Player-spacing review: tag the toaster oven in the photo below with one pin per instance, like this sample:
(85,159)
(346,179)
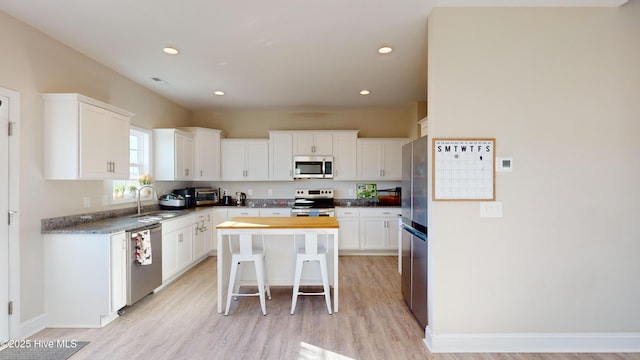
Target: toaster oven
(206,196)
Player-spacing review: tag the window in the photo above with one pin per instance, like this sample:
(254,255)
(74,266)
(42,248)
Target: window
(139,165)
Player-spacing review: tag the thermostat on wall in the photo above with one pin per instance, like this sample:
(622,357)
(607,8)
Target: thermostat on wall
(504,164)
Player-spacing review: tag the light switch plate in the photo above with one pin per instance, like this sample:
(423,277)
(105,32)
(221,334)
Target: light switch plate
(491,209)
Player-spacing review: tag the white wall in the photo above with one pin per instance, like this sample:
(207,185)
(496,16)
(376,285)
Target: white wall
(558,89)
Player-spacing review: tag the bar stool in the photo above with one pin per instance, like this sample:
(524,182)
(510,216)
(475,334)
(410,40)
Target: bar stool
(245,249)
(310,250)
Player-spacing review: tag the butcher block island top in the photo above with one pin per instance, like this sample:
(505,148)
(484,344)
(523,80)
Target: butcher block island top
(279,235)
(300,222)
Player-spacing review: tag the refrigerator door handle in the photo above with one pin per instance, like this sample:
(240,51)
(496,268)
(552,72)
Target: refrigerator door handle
(414,232)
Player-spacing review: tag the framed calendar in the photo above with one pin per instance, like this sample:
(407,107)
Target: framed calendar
(463,169)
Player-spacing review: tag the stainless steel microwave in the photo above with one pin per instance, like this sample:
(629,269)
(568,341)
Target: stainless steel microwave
(313,167)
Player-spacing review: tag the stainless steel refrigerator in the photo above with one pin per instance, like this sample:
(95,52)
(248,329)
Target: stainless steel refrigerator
(414,228)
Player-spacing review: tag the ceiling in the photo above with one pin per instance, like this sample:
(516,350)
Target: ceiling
(275,54)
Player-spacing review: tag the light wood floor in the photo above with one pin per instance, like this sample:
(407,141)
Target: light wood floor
(180,322)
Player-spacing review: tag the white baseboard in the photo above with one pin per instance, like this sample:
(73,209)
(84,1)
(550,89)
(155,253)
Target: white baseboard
(533,342)
(32,326)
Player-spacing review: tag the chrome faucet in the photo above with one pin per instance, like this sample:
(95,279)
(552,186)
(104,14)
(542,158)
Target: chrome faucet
(155,195)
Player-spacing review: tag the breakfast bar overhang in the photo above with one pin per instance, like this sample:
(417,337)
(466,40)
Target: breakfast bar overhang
(279,233)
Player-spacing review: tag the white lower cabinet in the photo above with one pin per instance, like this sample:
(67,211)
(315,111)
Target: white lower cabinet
(118,270)
(349,221)
(202,233)
(85,279)
(379,229)
(368,231)
(177,246)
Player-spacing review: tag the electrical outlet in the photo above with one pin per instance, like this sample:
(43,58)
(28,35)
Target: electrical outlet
(270,192)
(249,192)
(87,202)
(350,192)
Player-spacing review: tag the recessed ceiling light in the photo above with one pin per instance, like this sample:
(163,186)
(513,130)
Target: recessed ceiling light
(170,50)
(218,92)
(365,92)
(385,50)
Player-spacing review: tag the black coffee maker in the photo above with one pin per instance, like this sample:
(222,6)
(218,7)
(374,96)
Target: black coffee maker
(189,196)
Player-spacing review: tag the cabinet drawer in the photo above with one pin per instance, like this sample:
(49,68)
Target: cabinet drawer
(275,212)
(384,212)
(243,212)
(347,212)
(176,224)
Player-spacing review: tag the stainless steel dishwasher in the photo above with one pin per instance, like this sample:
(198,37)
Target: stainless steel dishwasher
(143,279)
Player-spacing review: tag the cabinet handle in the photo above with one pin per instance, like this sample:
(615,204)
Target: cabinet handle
(200,172)
(180,238)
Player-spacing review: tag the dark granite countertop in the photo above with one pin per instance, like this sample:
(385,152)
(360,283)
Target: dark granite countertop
(113,221)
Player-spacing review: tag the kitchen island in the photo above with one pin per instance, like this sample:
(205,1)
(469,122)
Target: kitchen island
(279,233)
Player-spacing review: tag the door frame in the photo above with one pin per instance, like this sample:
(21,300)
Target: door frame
(14,205)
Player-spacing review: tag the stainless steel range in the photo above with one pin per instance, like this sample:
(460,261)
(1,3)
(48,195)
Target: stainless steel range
(313,202)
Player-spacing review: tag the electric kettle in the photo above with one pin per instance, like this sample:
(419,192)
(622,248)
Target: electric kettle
(240,198)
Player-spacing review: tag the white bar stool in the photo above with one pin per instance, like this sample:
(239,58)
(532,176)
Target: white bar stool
(310,250)
(245,249)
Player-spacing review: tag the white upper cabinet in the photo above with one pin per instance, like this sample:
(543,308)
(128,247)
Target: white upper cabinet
(344,155)
(380,159)
(172,154)
(424,127)
(206,153)
(313,143)
(84,139)
(281,155)
(245,159)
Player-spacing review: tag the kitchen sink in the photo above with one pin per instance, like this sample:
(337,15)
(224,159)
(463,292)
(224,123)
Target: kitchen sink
(154,216)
